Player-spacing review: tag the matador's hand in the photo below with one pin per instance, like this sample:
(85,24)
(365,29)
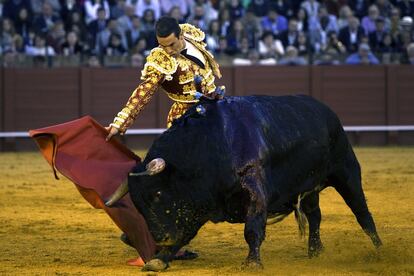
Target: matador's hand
(112,131)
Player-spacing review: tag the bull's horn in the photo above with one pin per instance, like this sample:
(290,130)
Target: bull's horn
(119,193)
(157,165)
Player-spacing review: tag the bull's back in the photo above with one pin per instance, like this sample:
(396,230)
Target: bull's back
(292,136)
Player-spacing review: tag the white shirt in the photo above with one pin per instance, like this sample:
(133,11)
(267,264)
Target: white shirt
(193,51)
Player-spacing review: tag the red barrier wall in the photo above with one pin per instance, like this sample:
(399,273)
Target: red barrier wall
(360,95)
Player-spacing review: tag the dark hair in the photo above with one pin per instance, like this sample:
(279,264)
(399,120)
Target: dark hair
(167,25)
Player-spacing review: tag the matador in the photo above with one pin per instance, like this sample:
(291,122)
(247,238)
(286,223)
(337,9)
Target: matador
(174,65)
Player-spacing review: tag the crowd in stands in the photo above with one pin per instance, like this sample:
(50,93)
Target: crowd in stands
(290,32)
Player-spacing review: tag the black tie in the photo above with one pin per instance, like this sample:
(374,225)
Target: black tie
(192,58)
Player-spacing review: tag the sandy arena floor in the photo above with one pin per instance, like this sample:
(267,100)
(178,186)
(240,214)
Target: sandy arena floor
(48,229)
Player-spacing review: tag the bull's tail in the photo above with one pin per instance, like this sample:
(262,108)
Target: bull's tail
(300,217)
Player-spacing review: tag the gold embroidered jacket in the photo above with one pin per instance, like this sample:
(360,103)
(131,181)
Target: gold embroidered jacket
(175,75)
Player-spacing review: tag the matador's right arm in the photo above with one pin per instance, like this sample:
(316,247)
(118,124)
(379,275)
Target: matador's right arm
(158,67)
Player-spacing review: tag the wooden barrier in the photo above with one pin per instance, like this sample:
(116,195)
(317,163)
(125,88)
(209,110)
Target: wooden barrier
(360,95)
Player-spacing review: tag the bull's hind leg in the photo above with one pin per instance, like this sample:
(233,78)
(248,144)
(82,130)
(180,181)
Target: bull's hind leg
(310,206)
(254,229)
(347,181)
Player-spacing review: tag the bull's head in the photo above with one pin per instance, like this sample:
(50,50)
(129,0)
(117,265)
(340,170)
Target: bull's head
(169,210)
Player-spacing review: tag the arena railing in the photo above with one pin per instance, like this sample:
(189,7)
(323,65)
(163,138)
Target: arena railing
(155,131)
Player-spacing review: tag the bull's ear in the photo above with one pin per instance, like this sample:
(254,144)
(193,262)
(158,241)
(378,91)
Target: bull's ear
(156,165)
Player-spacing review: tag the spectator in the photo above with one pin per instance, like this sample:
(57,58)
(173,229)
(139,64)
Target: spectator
(199,17)
(409,55)
(384,7)
(334,45)
(360,7)
(224,19)
(387,45)
(40,48)
(176,13)
(244,47)
(368,22)
(143,5)
(323,21)
(78,25)
(234,36)
(137,61)
(344,13)
(351,35)
(327,58)
(9,58)
(303,45)
(259,7)
(118,9)
(69,7)
(148,26)
(103,37)
(406,7)
(57,36)
(223,51)
(7,33)
(93,61)
(311,7)
(363,56)
(135,32)
(96,26)
(283,7)
(71,46)
(11,8)
(37,6)
(395,23)
(213,36)
(18,44)
(290,36)
(45,21)
(253,58)
(209,11)
(253,28)
(182,5)
(115,47)
(125,20)
(274,22)
(376,37)
(269,47)
(291,57)
(141,47)
(23,23)
(92,9)
(303,21)
(236,9)
(318,31)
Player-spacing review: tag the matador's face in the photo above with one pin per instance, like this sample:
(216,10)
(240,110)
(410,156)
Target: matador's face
(172,44)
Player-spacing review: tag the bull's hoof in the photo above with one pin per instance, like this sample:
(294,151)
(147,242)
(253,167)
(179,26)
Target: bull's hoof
(155,265)
(252,265)
(315,250)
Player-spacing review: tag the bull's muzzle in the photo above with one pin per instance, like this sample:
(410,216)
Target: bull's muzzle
(155,166)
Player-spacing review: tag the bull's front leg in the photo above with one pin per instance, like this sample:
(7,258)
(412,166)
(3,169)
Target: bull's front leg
(161,260)
(255,226)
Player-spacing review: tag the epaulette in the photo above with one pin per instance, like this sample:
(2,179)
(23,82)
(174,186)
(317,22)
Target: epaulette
(191,32)
(159,60)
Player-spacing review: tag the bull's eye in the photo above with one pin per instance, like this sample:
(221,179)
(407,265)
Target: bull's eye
(157,196)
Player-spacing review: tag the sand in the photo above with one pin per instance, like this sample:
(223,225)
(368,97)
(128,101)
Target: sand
(48,229)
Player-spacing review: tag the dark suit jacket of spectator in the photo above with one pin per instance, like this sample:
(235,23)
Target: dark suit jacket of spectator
(375,41)
(345,38)
(11,9)
(40,23)
(284,38)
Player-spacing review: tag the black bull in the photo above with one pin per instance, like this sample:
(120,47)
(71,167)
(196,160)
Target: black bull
(247,160)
